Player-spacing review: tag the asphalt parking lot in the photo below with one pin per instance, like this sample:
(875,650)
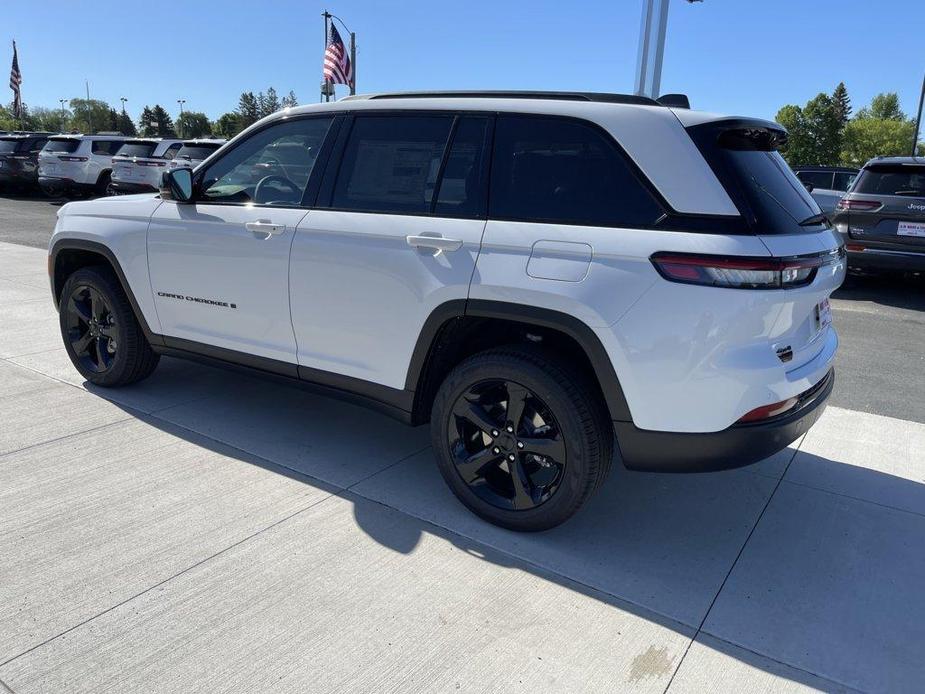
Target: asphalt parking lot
(206,530)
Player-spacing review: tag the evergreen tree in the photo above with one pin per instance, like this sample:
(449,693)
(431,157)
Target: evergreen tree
(146,123)
(226,126)
(289,100)
(164,122)
(271,103)
(842,103)
(126,126)
(248,111)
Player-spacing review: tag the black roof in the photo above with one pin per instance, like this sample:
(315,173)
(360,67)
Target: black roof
(916,161)
(811,167)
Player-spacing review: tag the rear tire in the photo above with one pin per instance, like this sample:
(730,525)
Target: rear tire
(103,183)
(101,334)
(520,439)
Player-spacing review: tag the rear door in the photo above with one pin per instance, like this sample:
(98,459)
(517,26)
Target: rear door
(899,220)
(219,266)
(396,233)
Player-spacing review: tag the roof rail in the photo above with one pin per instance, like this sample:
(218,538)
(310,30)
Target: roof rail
(563,96)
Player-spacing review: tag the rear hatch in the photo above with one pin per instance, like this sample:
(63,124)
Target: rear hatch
(58,158)
(777,208)
(192,153)
(9,146)
(886,207)
(133,163)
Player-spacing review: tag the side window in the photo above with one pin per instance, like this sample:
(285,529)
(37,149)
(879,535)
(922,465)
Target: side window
(271,167)
(563,171)
(818,179)
(171,151)
(460,191)
(391,163)
(843,180)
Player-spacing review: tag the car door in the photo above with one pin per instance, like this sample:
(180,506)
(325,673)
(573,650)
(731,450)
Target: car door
(395,234)
(219,266)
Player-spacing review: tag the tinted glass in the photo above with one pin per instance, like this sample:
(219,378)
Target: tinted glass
(271,167)
(891,180)
(196,152)
(460,191)
(818,179)
(171,151)
(557,170)
(105,146)
(390,164)
(7,146)
(843,180)
(136,149)
(758,179)
(61,146)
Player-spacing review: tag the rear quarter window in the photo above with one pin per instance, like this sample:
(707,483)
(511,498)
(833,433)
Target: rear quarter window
(136,149)
(61,146)
(564,171)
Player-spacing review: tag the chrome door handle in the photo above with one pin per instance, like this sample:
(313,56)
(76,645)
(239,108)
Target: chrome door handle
(265,228)
(436,242)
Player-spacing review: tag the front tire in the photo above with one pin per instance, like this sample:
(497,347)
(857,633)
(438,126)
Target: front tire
(522,441)
(101,334)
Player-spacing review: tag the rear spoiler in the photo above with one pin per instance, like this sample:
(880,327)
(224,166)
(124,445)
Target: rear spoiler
(674,100)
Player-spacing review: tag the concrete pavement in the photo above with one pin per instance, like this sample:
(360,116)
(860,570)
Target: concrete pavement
(207,531)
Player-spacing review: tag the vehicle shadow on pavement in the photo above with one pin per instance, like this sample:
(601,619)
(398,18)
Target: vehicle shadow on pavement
(906,292)
(809,573)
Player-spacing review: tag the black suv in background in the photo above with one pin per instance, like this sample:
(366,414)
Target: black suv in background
(882,217)
(19,159)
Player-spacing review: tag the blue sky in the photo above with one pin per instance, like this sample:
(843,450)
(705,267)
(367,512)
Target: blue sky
(735,56)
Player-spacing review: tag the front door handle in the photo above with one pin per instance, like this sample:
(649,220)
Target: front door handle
(436,242)
(266,228)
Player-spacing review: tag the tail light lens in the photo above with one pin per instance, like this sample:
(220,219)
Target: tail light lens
(858,205)
(73,158)
(768,411)
(739,272)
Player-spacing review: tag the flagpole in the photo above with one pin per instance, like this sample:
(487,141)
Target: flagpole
(325,91)
(353,63)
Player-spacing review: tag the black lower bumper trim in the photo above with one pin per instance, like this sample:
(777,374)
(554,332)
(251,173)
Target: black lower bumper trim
(879,259)
(737,446)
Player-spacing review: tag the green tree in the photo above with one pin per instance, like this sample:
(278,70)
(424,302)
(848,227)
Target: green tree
(866,138)
(289,100)
(226,126)
(883,107)
(271,104)
(125,125)
(146,123)
(248,110)
(193,124)
(825,126)
(89,115)
(842,103)
(164,122)
(799,148)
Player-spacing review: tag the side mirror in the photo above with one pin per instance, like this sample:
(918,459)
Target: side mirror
(809,186)
(177,184)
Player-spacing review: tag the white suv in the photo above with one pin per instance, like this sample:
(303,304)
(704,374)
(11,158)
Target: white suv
(140,163)
(194,152)
(538,275)
(77,163)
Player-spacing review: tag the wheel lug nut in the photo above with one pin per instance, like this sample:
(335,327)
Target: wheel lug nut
(520,444)
(495,432)
(510,430)
(495,450)
(511,457)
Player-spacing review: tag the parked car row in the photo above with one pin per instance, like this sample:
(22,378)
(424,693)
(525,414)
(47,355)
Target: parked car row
(103,164)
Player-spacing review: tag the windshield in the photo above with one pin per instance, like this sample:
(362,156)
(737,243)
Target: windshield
(7,146)
(895,179)
(63,146)
(136,149)
(196,152)
(757,178)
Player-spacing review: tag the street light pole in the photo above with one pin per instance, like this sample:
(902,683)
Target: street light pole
(123,100)
(652,47)
(63,113)
(918,120)
(180,122)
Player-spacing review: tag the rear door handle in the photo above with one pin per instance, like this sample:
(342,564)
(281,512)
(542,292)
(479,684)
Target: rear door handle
(265,228)
(436,242)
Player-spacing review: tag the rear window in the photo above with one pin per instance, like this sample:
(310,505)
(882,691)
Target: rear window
(7,146)
(196,152)
(63,146)
(136,149)
(759,181)
(105,146)
(884,179)
(818,179)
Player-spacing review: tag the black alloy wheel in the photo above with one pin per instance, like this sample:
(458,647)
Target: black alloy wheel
(92,329)
(507,445)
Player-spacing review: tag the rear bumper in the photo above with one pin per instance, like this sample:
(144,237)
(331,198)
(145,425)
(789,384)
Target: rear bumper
(19,177)
(125,188)
(737,446)
(884,259)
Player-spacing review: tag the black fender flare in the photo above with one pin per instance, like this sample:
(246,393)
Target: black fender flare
(528,315)
(103,250)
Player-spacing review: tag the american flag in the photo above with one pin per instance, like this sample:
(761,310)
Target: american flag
(15,84)
(337,68)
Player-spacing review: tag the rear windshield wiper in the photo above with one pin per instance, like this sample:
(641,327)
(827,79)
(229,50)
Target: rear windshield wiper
(815,219)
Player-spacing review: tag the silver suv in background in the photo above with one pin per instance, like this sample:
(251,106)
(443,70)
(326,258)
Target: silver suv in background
(194,152)
(71,164)
(827,184)
(882,218)
(138,165)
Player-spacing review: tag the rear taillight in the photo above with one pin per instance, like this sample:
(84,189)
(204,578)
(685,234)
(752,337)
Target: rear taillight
(740,272)
(768,411)
(858,205)
(73,158)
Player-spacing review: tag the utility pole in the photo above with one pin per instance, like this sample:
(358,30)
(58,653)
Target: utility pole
(180,121)
(63,113)
(123,100)
(652,47)
(89,113)
(918,120)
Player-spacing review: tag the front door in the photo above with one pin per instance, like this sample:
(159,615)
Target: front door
(219,266)
(396,235)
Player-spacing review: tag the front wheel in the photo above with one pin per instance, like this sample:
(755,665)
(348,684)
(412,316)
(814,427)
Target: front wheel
(101,334)
(522,441)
